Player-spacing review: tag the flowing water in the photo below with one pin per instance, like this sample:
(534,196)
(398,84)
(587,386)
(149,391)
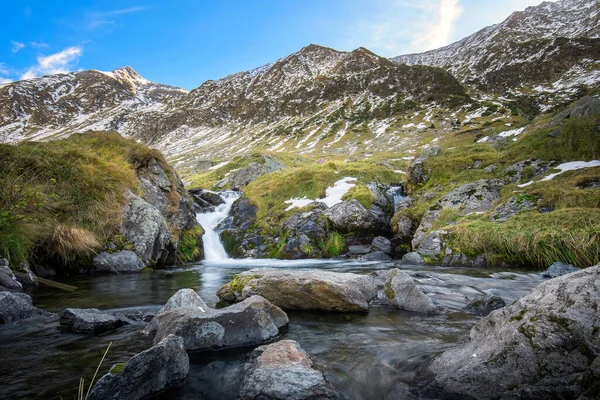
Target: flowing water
(365,356)
(213,249)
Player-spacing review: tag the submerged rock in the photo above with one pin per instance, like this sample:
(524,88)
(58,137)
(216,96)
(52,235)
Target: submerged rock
(303,289)
(15,307)
(485,305)
(164,365)
(559,269)
(401,291)
(118,262)
(184,298)
(89,320)
(544,345)
(252,321)
(282,370)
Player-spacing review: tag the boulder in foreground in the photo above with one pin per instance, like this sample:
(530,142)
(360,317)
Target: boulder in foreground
(282,370)
(89,320)
(544,345)
(303,289)
(164,365)
(184,298)
(252,321)
(401,291)
(15,307)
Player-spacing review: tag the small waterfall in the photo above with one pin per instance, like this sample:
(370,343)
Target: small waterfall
(213,248)
(397,195)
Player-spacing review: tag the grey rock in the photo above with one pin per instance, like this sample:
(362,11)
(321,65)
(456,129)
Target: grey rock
(413,258)
(559,269)
(491,168)
(526,170)
(351,216)
(222,183)
(89,320)
(432,245)
(8,280)
(305,289)
(253,321)
(382,244)
(246,175)
(377,256)
(27,278)
(401,291)
(471,197)
(147,229)
(380,194)
(404,228)
(405,203)
(15,307)
(305,230)
(485,305)
(118,262)
(359,249)
(542,346)
(162,366)
(282,370)
(184,298)
(585,107)
(514,206)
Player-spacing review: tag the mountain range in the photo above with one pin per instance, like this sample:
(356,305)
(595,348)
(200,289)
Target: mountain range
(320,100)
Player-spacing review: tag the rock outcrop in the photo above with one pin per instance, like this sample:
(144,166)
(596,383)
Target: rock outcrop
(282,371)
(253,321)
(164,365)
(303,289)
(351,216)
(89,320)
(417,174)
(15,307)
(8,280)
(401,291)
(184,298)
(118,262)
(544,345)
(250,173)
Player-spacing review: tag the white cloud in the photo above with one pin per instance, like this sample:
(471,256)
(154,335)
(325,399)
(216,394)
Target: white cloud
(16,46)
(96,19)
(38,45)
(57,63)
(4,81)
(439,31)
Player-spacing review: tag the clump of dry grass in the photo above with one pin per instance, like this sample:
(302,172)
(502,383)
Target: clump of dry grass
(70,242)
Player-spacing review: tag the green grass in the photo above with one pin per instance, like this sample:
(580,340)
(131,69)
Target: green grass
(570,235)
(269,192)
(334,245)
(188,248)
(63,198)
(362,194)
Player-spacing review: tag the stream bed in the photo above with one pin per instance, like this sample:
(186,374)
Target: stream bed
(363,355)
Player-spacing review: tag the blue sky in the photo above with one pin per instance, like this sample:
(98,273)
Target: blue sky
(185,42)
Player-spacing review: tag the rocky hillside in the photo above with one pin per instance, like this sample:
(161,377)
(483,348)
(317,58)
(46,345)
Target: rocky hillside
(552,47)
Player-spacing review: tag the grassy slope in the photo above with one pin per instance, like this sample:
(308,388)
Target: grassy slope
(568,234)
(66,196)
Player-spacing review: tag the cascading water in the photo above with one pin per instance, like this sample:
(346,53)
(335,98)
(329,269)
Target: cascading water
(213,248)
(397,194)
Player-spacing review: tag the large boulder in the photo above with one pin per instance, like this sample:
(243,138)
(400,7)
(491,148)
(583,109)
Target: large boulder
(184,298)
(401,291)
(240,237)
(351,216)
(8,280)
(254,169)
(147,229)
(527,169)
(15,307)
(303,289)
(585,107)
(282,371)
(89,320)
(544,345)
(305,231)
(164,365)
(253,321)
(118,262)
